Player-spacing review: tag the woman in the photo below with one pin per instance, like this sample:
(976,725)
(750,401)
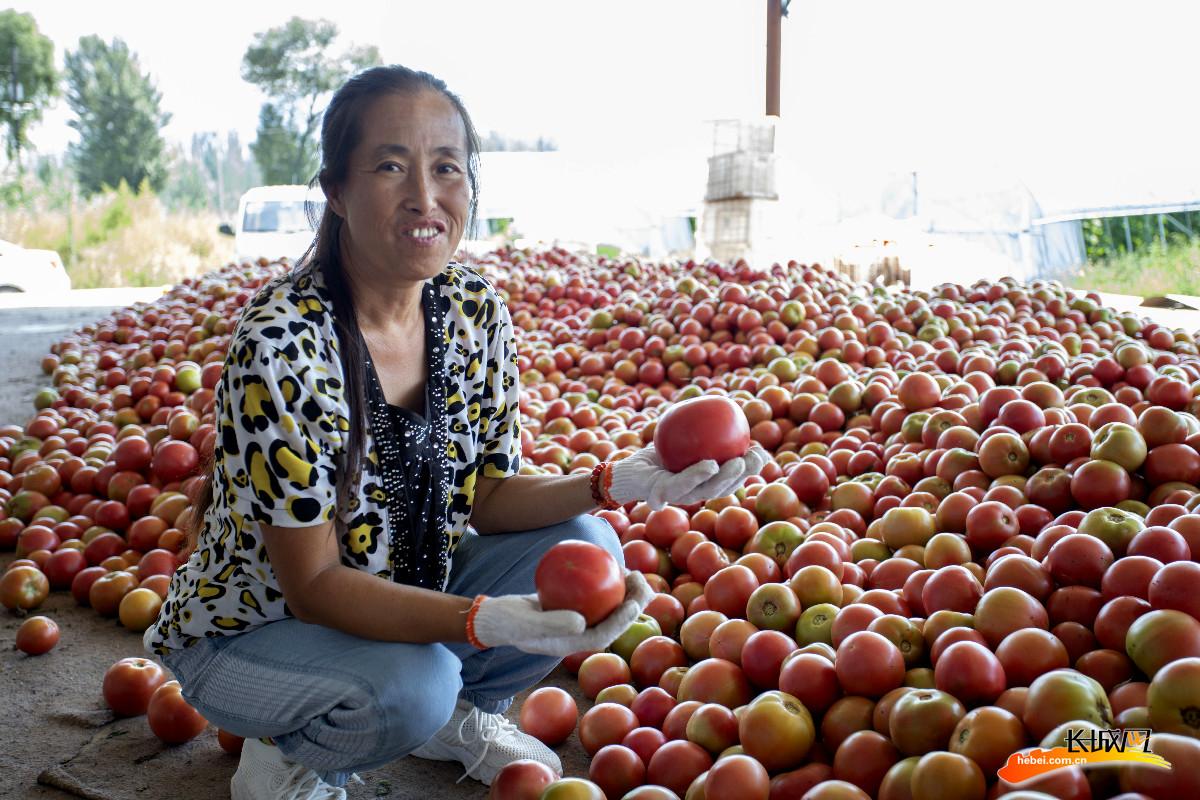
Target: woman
(336,610)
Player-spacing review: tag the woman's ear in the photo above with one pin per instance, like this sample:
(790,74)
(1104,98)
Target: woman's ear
(334,198)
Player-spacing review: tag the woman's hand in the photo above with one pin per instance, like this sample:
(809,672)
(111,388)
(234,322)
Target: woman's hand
(520,621)
(642,476)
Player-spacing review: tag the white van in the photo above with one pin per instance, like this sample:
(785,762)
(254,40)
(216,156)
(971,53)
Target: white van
(272,222)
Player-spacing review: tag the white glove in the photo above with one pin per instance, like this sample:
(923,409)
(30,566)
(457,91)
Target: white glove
(642,476)
(519,620)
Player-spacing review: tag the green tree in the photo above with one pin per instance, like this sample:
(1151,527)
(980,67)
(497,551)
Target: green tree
(293,66)
(28,79)
(119,118)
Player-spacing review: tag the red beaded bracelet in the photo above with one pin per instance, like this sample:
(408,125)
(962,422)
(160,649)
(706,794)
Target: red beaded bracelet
(471,612)
(601,481)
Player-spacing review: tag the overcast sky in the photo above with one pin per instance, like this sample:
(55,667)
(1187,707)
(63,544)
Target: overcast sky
(901,85)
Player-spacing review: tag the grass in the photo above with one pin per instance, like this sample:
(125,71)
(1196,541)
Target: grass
(1158,271)
(120,238)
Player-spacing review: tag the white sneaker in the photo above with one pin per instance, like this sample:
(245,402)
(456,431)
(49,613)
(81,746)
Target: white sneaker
(264,774)
(484,744)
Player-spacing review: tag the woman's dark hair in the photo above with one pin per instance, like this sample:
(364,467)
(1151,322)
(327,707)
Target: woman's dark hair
(341,132)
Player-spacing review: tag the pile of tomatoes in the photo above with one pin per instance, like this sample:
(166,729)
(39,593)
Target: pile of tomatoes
(978,533)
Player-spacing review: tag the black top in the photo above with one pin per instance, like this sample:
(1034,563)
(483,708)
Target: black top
(412,449)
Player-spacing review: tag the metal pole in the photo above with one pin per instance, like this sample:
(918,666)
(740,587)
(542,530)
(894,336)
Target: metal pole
(1128,237)
(774,26)
(1162,233)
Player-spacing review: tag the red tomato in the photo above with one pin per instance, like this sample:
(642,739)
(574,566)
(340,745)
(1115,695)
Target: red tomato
(738,777)
(129,684)
(617,770)
(23,587)
(37,635)
(229,742)
(171,718)
(580,576)
(549,714)
(701,428)
(521,780)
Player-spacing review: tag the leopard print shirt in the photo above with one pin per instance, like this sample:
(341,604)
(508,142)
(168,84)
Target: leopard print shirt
(282,426)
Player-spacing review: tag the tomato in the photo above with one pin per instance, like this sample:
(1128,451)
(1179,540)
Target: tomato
(1163,784)
(987,735)
(666,525)
(23,588)
(139,608)
(1062,696)
(651,706)
(229,742)
(1079,559)
(605,724)
(774,606)
(970,672)
(171,718)
(129,683)
(729,590)
(37,635)
(707,427)
(522,780)
(616,770)
(1030,652)
(863,759)
(948,775)
(1157,638)
(715,680)
(580,576)
(952,588)
(1004,609)
(108,590)
(696,631)
(62,567)
(81,584)
(654,656)
(777,730)
(923,720)
(738,777)
(174,460)
(835,790)
(811,679)
(645,741)
(1174,587)
(1173,698)
(676,764)
(714,727)
(729,638)
(651,793)
(641,629)
(1100,483)
(868,664)
(763,656)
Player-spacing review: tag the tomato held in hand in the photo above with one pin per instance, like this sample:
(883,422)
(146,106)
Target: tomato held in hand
(129,684)
(580,576)
(170,716)
(703,427)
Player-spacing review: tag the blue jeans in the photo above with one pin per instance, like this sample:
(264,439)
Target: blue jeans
(338,703)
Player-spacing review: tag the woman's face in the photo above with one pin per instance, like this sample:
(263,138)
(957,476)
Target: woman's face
(405,198)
